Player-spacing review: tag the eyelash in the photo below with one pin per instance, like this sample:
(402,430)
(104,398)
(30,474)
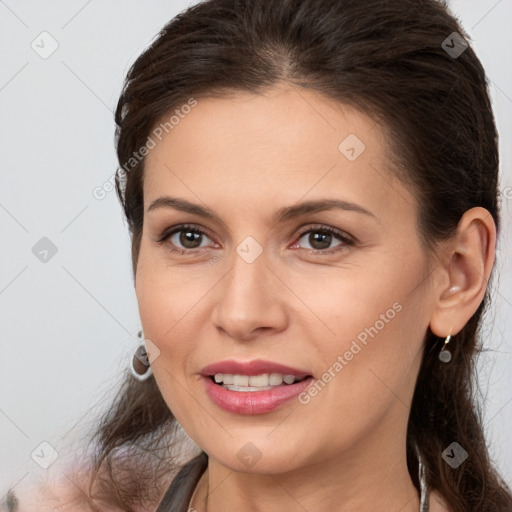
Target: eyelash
(345,239)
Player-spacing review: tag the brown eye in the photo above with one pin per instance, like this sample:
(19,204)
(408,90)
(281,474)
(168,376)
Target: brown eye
(189,239)
(185,238)
(322,239)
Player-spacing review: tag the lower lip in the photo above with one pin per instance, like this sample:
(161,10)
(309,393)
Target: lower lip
(254,402)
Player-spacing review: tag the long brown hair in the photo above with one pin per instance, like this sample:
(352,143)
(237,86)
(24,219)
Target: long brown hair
(389,59)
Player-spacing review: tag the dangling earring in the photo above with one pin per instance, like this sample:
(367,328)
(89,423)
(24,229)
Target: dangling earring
(445,355)
(139,362)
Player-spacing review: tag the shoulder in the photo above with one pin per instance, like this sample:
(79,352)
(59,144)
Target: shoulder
(43,497)
(130,475)
(61,490)
(48,495)
(65,488)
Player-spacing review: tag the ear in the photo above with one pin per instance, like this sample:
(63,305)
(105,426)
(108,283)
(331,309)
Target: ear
(467,261)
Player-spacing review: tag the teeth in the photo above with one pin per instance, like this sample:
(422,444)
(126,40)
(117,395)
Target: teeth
(258,380)
(263,381)
(226,378)
(241,380)
(276,379)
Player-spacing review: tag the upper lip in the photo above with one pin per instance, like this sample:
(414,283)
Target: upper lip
(254,367)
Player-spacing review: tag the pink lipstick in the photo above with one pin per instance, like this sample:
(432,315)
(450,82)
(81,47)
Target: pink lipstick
(253,387)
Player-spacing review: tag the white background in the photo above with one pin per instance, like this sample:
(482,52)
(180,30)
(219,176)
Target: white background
(68,325)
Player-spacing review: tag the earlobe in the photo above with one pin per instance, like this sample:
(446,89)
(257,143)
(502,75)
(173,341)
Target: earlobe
(469,260)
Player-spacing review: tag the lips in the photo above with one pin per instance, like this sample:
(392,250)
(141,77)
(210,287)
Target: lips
(247,400)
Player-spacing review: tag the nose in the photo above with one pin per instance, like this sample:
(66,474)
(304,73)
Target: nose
(250,301)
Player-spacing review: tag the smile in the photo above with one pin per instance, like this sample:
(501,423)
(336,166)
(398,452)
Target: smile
(254,387)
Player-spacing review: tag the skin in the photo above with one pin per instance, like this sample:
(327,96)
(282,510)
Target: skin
(244,157)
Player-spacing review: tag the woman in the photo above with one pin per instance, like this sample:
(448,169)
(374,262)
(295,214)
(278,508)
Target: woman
(311,191)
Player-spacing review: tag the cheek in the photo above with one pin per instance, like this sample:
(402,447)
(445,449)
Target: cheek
(347,302)
(165,310)
(173,310)
(161,302)
(369,327)
(367,371)
(167,297)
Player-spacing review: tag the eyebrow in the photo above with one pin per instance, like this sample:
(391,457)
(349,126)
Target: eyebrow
(282,215)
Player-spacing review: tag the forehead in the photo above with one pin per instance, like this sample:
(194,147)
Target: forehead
(280,145)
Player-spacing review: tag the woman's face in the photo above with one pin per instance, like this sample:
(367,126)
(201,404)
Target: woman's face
(349,308)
